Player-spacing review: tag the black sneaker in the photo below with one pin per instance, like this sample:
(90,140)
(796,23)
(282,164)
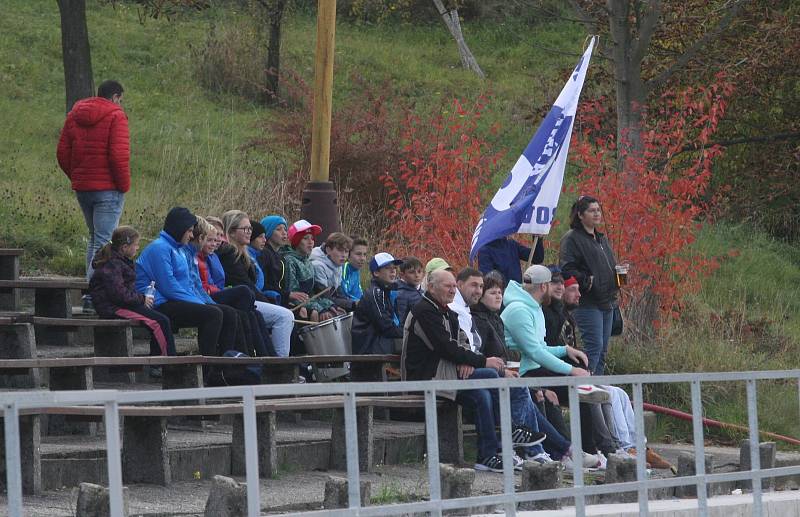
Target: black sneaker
(521,436)
(491,464)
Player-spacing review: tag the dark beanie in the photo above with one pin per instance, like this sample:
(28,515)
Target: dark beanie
(258,229)
(179,220)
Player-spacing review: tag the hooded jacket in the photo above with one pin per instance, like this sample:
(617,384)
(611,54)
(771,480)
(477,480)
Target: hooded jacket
(299,276)
(163,262)
(274,269)
(94,147)
(524,327)
(505,254)
(407,297)
(584,256)
(489,327)
(113,285)
(326,273)
(375,324)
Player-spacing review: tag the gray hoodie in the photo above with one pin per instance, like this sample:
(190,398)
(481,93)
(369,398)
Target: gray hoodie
(326,273)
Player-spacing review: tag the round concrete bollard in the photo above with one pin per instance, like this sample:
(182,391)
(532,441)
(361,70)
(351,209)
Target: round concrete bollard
(686,467)
(93,501)
(620,469)
(336,493)
(767,452)
(227,498)
(536,476)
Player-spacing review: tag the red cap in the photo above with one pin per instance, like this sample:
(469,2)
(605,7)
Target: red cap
(299,229)
(570,281)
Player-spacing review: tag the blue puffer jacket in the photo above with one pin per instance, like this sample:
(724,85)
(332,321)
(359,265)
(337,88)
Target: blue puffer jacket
(215,271)
(162,262)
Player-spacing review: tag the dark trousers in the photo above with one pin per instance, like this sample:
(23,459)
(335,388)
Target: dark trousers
(587,430)
(162,341)
(255,339)
(207,319)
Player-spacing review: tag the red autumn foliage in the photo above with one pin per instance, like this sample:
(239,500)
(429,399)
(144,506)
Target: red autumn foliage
(653,209)
(435,192)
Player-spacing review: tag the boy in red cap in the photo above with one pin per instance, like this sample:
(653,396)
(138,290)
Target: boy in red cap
(300,272)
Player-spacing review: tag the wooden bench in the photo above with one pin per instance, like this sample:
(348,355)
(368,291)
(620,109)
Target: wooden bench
(145,455)
(9,270)
(51,300)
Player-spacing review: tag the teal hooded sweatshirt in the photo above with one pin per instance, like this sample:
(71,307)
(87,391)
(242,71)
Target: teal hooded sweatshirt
(524,325)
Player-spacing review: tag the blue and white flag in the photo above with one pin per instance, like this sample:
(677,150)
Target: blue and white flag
(527,201)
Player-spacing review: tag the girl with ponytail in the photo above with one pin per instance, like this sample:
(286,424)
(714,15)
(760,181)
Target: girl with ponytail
(113,290)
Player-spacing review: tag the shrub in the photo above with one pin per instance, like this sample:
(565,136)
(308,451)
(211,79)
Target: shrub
(435,192)
(653,207)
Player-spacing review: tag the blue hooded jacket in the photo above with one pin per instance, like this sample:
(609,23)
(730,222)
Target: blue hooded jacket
(523,322)
(162,262)
(190,254)
(254,254)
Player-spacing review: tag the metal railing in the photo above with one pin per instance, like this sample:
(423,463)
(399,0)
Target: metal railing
(13,403)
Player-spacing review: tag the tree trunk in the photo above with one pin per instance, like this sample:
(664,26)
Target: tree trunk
(275,15)
(76,54)
(627,54)
(454,26)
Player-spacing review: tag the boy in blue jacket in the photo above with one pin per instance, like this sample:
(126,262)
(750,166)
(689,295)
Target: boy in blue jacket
(163,262)
(351,271)
(409,292)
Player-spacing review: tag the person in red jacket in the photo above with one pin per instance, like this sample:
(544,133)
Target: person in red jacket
(94,153)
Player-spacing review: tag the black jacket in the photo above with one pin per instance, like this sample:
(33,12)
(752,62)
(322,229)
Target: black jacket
(440,326)
(553,322)
(374,327)
(585,256)
(490,328)
(238,270)
(274,270)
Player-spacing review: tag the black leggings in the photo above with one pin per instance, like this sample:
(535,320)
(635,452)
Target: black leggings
(161,341)
(587,429)
(207,319)
(240,297)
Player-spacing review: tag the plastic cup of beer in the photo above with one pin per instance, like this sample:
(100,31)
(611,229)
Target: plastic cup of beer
(621,271)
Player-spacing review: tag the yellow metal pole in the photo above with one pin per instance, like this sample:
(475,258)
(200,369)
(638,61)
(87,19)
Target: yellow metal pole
(323,91)
(319,203)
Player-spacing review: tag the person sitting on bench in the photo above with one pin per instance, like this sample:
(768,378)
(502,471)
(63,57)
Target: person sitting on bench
(163,262)
(113,290)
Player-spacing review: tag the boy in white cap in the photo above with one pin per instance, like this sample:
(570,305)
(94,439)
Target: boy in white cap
(375,323)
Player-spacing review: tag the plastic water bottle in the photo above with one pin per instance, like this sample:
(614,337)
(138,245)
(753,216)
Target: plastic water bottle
(150,292)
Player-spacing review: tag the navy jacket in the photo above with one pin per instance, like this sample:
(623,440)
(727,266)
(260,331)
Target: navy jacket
(504,255)
(407,297)
(375,324)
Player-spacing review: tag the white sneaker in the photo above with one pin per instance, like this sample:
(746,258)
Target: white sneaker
(517,461)
(602,461)
(542,458)
(590,461)
(592,394)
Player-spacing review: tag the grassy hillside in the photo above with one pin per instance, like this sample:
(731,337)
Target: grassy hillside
(187,148)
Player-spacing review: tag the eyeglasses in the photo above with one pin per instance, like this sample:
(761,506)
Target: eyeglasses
(245,229)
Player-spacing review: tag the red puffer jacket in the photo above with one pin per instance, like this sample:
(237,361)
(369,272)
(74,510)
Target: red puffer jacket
(94,148)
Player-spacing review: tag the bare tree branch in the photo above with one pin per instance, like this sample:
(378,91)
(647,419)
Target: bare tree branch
(454,26)
(584,17)
(647,26)
(775,137)
(698,45)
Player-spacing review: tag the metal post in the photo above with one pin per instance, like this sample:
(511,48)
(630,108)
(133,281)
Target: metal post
(508,448)
(113,458)
(755,453)
(251,455)
(577,450)
(699,449)
(13,460)
(641,446)
(432,439)
(351,442)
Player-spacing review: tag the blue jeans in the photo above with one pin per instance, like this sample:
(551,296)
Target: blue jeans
(524,412)
(101,211)
(595,327)
(555,444)
(486,405)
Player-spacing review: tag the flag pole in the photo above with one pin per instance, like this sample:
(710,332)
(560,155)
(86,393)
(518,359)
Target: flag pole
(533,249)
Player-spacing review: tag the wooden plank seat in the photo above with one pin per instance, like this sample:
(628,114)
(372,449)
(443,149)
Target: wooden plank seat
(146,456)
(52,299)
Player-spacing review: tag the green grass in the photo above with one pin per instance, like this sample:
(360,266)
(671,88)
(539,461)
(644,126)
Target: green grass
(187,149)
